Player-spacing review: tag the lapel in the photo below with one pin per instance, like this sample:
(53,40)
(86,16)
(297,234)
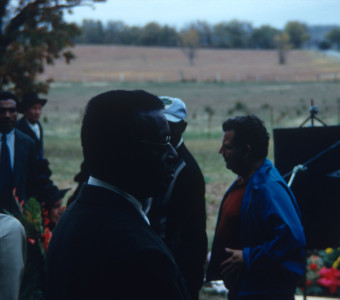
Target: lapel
(21,155)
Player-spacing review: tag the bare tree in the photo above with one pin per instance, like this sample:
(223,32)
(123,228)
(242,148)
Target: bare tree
(282,43)
(189,40)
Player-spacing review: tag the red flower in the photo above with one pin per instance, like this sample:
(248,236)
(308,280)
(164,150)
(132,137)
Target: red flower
(313,266)
(329,279)
(308,282)
(31,241)
(47,235)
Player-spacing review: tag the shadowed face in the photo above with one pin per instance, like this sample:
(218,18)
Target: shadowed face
(155,157)
(8,115)
(55,211)
(235,160)
(33,113)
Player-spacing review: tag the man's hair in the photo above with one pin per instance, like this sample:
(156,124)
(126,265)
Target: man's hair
(109,128)
(8,95)
(249,130)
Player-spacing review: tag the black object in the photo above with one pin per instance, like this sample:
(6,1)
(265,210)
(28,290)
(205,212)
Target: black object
(317,190)
(6,173)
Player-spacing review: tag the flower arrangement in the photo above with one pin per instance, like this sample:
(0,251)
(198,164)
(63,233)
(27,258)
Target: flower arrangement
(322,273)
(35,220)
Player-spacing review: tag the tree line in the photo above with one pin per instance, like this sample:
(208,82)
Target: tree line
(232,34)
(34,34)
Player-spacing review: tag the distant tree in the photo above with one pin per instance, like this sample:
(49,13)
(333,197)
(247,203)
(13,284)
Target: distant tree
(92,32)
(283,45)
(233,34)
(324,45)
(114,32)
(189,41)
(204,31)
(33,33)
(168,37)
(210,112)
(150,35)
(263,37)
(334,37)
(297,33)
(132,35)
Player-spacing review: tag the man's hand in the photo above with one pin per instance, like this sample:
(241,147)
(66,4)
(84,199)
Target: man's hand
(231,268)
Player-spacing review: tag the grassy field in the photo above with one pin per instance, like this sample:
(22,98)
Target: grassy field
(278,104)
(251,82)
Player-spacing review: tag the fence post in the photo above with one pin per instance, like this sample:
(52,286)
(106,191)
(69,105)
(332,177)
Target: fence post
(121,77)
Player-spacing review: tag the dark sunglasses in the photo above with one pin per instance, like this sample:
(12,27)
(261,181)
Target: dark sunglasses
(10,110)
(163,142)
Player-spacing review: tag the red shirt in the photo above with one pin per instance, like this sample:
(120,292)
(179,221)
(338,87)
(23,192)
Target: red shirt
(229,226)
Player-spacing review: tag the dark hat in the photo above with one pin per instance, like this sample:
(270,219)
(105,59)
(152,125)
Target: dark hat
(54,194)
(28,100)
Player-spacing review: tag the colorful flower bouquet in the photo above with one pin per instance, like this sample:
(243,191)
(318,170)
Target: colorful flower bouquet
(322,273)
(35,220)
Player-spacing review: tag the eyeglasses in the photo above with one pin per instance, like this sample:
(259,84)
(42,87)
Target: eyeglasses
(164,142)
(10,110)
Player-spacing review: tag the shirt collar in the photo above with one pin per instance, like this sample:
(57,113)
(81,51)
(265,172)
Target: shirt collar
(9,134)
(179,143)
(100,183)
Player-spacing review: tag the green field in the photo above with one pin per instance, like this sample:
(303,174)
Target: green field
(278,104)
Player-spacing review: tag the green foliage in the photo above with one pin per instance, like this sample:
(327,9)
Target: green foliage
(333,37)
(297,33)
(33,34)
(233,34)
(263,37)
(239,107)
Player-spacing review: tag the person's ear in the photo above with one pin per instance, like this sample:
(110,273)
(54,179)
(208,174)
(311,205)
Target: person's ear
(245,150)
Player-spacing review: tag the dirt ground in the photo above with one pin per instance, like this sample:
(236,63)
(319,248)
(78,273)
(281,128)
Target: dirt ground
(118,63)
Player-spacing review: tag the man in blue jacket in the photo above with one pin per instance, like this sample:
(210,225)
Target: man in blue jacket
(258,248)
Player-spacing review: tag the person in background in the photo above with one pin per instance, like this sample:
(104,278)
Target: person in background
(258,247)
(12,256)
(185,199)
(52,206)
(17,157)
(31,108)
(103,246)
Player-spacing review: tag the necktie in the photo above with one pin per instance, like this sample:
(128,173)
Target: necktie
(6,173)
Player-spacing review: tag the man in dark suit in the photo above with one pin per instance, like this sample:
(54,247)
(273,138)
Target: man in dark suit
(31,106)
(185,198)
(103,246)
(17,157)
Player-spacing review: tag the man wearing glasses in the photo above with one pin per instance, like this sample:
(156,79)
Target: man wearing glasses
(103,246)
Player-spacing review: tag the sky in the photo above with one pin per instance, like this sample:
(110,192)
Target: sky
(179,13)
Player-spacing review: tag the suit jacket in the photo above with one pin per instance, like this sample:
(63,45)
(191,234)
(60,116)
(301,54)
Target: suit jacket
(42,163)
(28,179)
(169,215)
(102,248)
(23,170)
(25,128)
